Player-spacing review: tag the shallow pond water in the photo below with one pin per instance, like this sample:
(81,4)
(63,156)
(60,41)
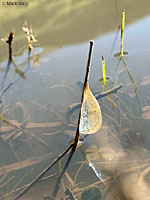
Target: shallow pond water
(38,104)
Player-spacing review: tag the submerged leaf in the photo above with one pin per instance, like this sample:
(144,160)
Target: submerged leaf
(91,118)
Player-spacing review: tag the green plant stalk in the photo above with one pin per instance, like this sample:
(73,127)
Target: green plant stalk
(122,32)
(104,71)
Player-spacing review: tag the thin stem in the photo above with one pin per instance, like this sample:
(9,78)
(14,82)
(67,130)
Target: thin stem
(85,85)
(62,173)
(78,126)
(88,63)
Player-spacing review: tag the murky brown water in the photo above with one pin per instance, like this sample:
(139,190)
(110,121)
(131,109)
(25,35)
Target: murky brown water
(37,106)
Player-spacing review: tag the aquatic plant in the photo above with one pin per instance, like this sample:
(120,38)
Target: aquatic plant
(113,165)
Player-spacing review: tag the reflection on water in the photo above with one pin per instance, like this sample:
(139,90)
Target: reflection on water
(65,22)
(36,108)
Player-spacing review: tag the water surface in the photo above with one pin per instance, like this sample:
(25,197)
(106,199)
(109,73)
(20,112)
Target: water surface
(38,104)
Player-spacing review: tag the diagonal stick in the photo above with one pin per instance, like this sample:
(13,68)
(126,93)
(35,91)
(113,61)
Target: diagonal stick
(57,186)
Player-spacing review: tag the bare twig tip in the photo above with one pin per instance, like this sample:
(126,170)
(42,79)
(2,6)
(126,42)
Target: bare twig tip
(91,42)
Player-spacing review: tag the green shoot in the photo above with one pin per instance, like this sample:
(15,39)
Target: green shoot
(104,71)
(104,81)
(122,32)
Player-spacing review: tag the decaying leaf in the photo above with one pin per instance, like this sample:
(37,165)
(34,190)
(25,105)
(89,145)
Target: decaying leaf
(91,118)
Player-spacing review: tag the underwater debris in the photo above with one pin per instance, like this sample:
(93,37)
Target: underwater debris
(146,112)
(145,81)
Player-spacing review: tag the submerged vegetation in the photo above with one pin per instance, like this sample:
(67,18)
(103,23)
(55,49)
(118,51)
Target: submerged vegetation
(117,150)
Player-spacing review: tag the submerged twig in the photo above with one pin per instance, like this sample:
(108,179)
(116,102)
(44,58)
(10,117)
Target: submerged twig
(43,172)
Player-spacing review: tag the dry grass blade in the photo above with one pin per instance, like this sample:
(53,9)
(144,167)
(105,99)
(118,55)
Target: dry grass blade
(4,119)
